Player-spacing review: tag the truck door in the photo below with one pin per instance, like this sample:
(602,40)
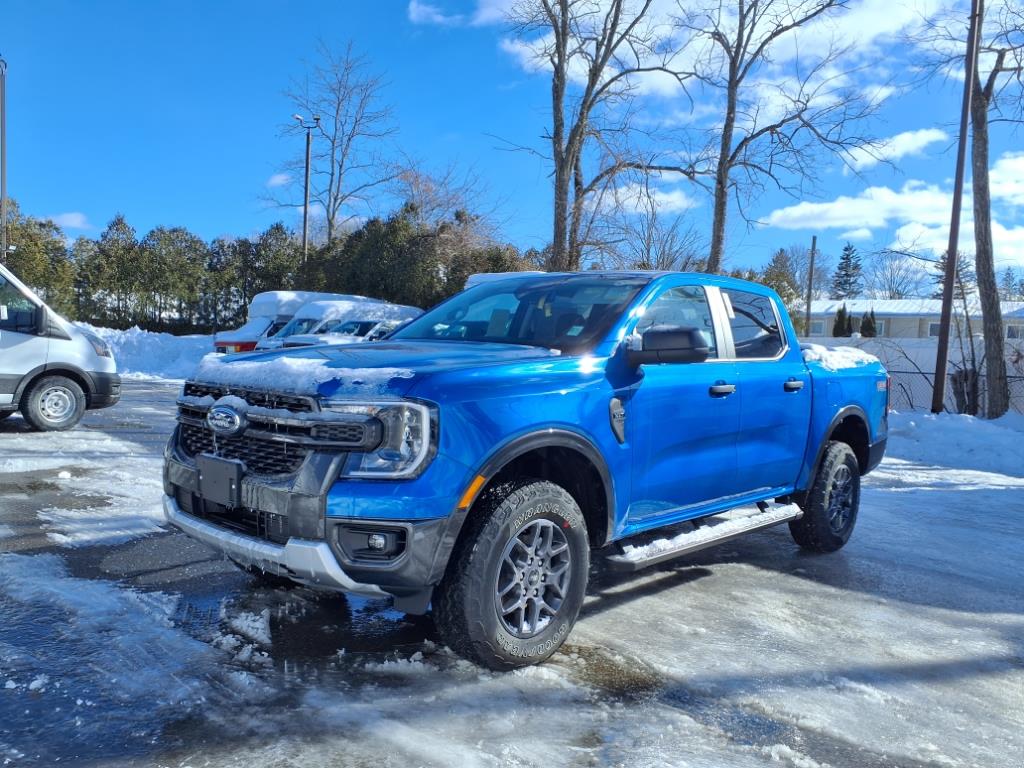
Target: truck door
(682,419)
(775,412)
(21,349)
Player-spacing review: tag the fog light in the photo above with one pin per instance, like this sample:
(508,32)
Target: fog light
(376,541)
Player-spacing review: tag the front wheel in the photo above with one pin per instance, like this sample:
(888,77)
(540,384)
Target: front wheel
(831,504)
(516,582)
(54,403)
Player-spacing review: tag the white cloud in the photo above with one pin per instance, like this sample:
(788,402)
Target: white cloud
(425,13)
(667,200)
(71,220)
(1006,178)
(862,233)
(875,207)
(901,145)
(491,11)
(279,180)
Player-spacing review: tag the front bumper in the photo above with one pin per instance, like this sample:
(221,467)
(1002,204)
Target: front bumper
(105,390)
(308,562)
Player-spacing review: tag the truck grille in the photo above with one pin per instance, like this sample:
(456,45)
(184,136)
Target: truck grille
(256,397)
(261,457)
(250,522)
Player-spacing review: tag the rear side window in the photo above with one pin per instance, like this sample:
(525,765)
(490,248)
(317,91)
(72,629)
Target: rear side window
(755,326)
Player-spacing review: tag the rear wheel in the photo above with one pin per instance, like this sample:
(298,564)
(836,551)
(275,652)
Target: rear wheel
(516,582)
(53,403)
(831,505)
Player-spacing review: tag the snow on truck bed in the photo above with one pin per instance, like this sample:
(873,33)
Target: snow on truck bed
(836,358)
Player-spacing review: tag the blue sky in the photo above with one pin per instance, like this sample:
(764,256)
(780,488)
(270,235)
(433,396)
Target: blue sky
(170,113)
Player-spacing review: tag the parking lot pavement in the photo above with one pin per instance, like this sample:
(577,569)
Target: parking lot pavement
(122,643)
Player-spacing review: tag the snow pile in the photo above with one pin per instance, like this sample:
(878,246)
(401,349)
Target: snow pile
(297,374)
(958,440)
(153,354)
(836,358)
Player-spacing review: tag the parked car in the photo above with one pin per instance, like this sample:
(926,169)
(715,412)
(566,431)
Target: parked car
(478,459)
(311,318)
(50,370)
(370,323)
(269,312)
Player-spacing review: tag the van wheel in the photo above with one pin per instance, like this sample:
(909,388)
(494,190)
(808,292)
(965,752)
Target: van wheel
(53,404)
(516,582)
(831,505)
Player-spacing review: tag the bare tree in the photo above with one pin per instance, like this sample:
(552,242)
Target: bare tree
(778,113)
(597,51)
(437,196)
(637,233)
(997,97)
(800,262)
(894,275)
(346,165)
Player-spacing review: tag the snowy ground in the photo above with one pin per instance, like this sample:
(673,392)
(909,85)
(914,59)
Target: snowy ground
(123,644)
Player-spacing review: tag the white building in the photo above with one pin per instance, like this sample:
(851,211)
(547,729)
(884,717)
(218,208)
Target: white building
(911,318)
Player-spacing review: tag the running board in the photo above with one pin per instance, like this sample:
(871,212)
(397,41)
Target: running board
(709,532)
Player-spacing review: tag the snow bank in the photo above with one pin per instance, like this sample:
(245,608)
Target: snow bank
(967,442)
(297,374)
(836,358)
(154,354)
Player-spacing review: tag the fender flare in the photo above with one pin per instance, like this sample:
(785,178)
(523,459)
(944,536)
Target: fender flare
(843,413)
(55,368)
(508,452)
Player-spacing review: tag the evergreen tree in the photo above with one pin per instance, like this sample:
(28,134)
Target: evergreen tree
(965,283)
(868,329)
(848,278)
(778,275)
(841,323)
(1007,285)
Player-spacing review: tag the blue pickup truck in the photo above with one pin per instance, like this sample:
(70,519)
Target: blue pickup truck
(475,462)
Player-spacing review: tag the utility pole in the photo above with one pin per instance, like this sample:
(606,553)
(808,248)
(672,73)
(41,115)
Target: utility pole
(810,285)
(305,204)
(942,353)
(3,160)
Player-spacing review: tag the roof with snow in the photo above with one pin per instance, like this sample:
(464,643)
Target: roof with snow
(906,307)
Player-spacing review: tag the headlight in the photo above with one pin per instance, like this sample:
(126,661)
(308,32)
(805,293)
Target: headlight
(99,345)
(408,441)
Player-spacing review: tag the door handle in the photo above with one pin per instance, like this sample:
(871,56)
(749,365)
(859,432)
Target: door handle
(721,389)
(793,385)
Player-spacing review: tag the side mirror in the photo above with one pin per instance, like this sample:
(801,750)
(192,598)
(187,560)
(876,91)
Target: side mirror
(42,321)
(670,344)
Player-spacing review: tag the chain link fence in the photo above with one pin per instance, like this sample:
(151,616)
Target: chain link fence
(912,390)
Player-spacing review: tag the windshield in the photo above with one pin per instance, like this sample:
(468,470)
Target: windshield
(298,325)
(568,313)
(350,327)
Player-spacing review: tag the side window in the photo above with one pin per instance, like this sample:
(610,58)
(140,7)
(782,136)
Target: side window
(755,327)
(682,307)
(17,313)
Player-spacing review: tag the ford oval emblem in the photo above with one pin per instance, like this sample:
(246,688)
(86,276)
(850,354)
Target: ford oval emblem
(226,421)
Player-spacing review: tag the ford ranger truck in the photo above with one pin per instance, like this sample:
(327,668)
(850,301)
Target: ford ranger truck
(475,462)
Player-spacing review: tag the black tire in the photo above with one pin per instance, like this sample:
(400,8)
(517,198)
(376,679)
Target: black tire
(831,505)
(53,404)
(466,603)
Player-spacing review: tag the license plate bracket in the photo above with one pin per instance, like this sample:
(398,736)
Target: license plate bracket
(220,480)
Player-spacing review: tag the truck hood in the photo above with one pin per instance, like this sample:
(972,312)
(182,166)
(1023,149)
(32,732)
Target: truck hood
(388,368)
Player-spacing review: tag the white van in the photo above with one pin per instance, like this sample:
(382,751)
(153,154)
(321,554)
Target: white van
(317,315)
(369,323)
(50,369)
(269,312)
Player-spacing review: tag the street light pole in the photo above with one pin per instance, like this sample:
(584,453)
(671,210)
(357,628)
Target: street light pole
(305,194)
(3,160)
(810,286)
(942,353)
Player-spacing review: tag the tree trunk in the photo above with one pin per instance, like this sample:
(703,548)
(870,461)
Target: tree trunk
(721,211)
(997,400)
